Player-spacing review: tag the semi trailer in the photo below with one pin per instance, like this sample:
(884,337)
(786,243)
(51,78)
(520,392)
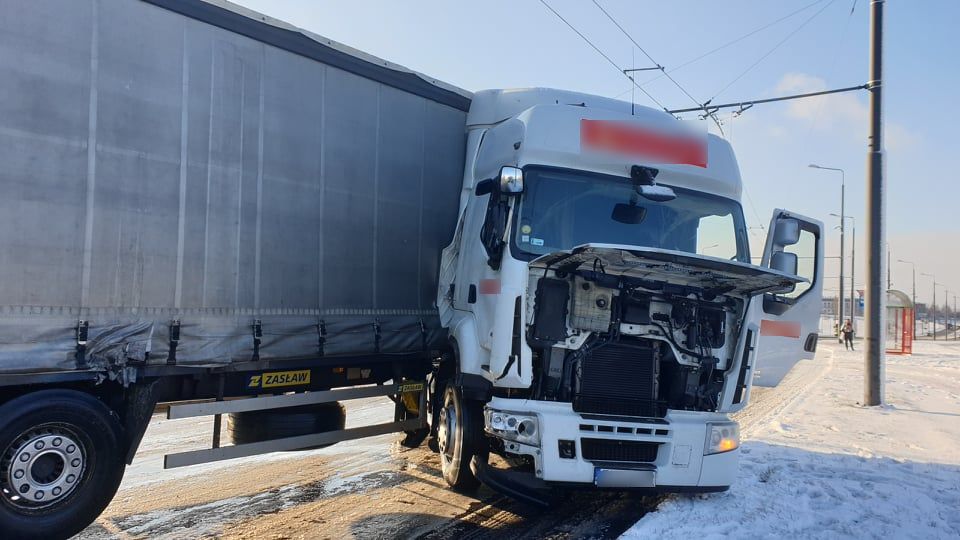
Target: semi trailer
(215,210)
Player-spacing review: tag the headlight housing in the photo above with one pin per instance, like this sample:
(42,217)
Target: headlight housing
(519,427)
(721,437)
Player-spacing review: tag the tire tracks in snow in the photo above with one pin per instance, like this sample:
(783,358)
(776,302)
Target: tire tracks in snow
(771,402)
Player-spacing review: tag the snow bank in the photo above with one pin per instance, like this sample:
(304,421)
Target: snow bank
(820,465)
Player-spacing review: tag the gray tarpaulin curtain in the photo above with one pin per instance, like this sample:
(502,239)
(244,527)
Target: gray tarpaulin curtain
(156,168)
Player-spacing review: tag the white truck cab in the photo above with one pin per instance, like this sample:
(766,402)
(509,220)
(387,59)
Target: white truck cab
(603,307)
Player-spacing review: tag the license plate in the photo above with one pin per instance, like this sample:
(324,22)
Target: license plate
(624,478)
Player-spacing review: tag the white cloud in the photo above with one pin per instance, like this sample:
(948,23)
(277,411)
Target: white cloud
(838,112)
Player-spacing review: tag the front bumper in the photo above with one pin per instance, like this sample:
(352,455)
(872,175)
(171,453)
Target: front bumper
(677,442)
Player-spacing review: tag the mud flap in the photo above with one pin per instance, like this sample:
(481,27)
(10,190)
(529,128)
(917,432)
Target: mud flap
(141,402)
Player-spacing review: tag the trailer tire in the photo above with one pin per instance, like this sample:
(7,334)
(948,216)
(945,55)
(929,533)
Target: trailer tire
(66,447)
(460,439)
(256,426)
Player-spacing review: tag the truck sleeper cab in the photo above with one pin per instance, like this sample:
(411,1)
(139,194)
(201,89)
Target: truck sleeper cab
(600,296)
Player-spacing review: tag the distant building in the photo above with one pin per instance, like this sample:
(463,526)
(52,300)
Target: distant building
(829,308)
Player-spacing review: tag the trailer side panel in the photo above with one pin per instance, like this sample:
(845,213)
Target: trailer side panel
(163,175)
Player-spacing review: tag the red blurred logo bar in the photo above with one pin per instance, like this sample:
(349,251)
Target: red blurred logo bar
(788,329)
(628,139)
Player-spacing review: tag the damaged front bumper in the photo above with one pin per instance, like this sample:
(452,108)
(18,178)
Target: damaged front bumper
(685,451)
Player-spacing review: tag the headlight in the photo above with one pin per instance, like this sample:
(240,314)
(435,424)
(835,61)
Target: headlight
(722,437)
(523,428)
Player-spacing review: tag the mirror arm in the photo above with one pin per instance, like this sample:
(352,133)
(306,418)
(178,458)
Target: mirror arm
(485,187)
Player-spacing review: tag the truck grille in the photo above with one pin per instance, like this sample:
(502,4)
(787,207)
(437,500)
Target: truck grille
(613,450)
(620,379)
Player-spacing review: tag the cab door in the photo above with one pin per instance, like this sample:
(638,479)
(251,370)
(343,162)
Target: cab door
(789,322)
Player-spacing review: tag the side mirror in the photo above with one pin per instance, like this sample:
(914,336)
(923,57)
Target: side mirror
(787,232)
(784,262)
(511,180)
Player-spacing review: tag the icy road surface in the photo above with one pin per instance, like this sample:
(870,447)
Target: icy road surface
(372,488)
(815,464)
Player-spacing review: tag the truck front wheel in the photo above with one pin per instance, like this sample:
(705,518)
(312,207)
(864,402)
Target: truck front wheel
(61,462)
(460,438)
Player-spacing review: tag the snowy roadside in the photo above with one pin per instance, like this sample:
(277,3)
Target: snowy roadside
(816,464)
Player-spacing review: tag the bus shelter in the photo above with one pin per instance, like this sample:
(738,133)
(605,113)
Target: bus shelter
(900,323)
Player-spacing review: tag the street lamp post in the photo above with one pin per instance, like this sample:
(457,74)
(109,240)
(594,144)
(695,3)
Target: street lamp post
(914,299)
(933,302)
(889,281)
(842,233)
(946,314)
(853,264)
(946,308)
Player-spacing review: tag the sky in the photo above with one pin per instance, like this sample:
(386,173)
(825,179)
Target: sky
(811,45)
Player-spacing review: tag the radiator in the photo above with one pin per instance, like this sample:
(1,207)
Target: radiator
(620,379)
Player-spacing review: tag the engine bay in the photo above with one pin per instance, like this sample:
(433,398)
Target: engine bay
(619,345)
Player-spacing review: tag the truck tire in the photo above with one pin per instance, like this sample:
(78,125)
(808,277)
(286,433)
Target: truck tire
(460,439)
(257,426)
(61,461)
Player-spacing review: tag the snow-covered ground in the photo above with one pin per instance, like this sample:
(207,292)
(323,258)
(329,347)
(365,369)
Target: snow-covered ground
(816,464)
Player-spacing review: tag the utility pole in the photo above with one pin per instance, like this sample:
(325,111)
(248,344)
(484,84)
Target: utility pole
(873,354)
(853,272)
(946,314)
(853,266)
(889,281)
(933,302)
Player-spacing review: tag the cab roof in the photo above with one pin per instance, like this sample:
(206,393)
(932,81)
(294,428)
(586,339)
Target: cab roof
(547,125)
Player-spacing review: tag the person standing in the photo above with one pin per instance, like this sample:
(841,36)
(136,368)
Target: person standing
(848,335)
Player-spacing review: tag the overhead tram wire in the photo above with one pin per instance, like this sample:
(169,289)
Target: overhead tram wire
(746,104)
(601,53)
(700,107)
(645,53)
(772,50)
(833,66)
(733,42)
(703,106)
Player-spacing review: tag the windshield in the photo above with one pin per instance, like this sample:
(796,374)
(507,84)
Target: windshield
(562,209)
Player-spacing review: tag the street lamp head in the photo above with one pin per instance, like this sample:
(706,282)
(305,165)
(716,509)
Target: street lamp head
(814,166)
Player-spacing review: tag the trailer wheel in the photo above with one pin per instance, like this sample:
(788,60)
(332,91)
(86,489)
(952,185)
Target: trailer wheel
(61,462)
(265,425)
(460,439)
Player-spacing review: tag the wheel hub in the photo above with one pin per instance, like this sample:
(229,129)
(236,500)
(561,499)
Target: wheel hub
(447,430)
(42,468)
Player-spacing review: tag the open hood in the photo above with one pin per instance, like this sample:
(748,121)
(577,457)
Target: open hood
(661,267)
